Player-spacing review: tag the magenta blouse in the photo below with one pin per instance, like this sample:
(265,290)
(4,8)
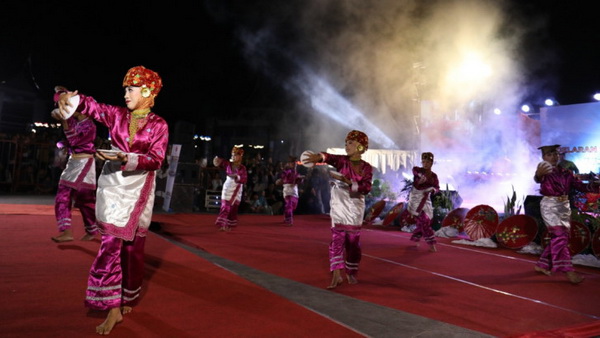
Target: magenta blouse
(363,177)
(560,181)
(428,182)
(81,136)
(240,171)
(151,141)
(290,176)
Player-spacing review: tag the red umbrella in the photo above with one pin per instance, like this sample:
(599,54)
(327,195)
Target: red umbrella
(374,211)
(392,214)
(579,239)
(516,231)
(481,222)
(455,218)
(596,243)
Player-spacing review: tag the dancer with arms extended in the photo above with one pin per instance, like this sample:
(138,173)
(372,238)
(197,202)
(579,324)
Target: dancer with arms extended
(352,182)
(420,208)
(78,180)
(555,184)
(125,194)
(231,195)
(290,179)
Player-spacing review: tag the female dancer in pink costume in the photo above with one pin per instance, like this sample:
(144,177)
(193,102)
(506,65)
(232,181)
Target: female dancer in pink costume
(425,183)
(78,179)
(290,179)
(353,182)
(231,195)
(125,195)
(555,184)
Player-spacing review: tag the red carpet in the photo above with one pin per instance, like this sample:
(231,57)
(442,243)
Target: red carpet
(44,284)
(493,291)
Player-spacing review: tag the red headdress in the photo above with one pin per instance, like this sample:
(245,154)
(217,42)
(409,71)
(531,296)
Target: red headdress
(141,76)
(360,137)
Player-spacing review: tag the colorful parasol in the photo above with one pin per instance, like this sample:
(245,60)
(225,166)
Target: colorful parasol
(392,214)
(455,219)
(579,239)
(481,222)
(516,231)
(374,211)
(596,243)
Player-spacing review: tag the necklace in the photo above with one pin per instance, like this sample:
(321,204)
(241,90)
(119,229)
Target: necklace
(138,120)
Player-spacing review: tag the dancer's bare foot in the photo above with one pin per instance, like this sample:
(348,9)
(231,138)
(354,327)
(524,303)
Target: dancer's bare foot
(352,279)
(224,228)
(88,237)
(542,270)
(574,277)
(113,318)
(432,248)
(336,279)
(126,309)
(65,236)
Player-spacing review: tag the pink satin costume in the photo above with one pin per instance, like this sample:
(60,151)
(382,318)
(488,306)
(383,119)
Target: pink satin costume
(78,180)
(420,206)
(290,179)
(556,213)
(347,212)
(231,195)
(125,199)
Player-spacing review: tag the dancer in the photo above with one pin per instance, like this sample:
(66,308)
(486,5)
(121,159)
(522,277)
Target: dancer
(555,184)
(231,195)
(77,181)
(352,183)
(125,195)
(290,179)
(420,209)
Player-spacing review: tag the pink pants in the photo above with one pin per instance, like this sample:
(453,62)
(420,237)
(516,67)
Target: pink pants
(85,201)
(228,214)
(556,256)
(291,202)
(117,273)
(423,229)
(348,240)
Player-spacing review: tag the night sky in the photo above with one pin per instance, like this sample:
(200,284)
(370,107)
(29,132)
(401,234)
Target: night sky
(194,46)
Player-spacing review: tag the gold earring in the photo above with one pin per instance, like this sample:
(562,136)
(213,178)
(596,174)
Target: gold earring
(360,147)
(145,92)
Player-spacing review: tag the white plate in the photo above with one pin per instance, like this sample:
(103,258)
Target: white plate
(304,158)
(74,101)
(109,151)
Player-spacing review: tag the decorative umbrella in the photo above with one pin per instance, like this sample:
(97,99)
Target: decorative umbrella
(374,211)
(481,222)
(579,239)
(392,214)
(516,231)
(455,219)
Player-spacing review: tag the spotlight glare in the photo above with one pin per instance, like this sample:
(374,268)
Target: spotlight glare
(525,108)
(597,96)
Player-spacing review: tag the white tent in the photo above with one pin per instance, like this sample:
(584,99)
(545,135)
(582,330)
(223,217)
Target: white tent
(383,159)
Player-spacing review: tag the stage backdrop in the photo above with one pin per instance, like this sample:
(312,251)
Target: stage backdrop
(575,127)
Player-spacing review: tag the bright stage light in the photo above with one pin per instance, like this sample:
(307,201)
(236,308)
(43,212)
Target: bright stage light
(525,108)
(326,100)
(497,111)
(549,102)
(597,96)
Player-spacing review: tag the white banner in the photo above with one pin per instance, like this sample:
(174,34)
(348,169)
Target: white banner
(173,160)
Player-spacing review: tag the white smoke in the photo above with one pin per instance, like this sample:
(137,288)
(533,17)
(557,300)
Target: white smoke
(383,65)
